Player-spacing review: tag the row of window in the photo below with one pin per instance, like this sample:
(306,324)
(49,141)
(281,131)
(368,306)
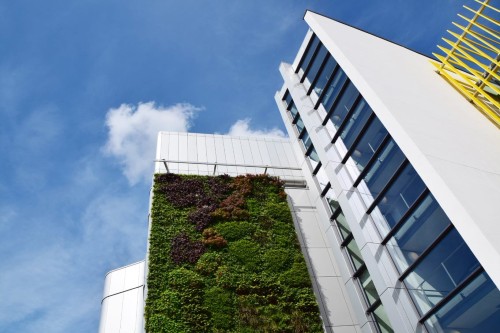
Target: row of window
(435,263)
(360,272)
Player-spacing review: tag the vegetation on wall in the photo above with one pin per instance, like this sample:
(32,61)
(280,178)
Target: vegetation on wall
(224,257)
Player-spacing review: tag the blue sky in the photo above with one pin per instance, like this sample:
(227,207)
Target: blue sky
(84,87)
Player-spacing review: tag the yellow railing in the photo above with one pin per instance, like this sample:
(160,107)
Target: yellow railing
(471,61)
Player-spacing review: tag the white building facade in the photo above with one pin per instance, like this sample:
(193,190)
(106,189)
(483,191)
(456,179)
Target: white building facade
(411,172)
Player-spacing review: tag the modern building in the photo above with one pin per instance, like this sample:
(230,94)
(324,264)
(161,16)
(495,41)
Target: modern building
(393,181)
(410,171)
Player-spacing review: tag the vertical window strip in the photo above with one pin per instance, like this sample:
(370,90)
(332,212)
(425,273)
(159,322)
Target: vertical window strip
(336,100)
(384,190)
(358,138)
(426,252)
(308,48)
(328,83)
(372,160)
(347,117)
(318,73)
(405,216)
(309,65)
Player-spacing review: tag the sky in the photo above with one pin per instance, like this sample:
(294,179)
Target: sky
(84,88)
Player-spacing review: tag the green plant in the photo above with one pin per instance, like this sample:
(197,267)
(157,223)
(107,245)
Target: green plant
(224,257)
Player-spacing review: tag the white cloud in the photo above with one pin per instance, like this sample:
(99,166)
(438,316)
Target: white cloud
(242,128)
(132,132)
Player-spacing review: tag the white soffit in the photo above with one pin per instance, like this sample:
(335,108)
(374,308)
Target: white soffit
(453,147)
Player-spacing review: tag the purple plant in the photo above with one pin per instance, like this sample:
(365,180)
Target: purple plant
(201,217)
(184,192)
(184,250)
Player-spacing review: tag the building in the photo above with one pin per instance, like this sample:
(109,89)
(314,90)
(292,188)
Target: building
(410,171)
(392,178)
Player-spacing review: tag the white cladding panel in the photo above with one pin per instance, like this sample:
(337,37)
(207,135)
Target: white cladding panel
(123,300)
(209,154)
(453,147)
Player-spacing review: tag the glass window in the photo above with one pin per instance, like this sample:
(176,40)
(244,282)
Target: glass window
(344,105)
(293,109)
(388,160)
(300,125)
(342,225)
(316,64)
(382,320)
(333,89)
(306,140)
(475,309)
(313,155)
(446,266)
(287,98)
(400,196)
(325,75)
(355,254)
(417,232)
(369,143)
(355,123)
(368,287)
(313,44)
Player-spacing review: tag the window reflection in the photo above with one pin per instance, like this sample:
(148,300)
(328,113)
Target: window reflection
(400,196)
(300,125)
(313,44)
(333,89)
(388,160)
(344,105)
(368,144)
(316,64)
(475,309)
(417,232)
(446,266)
(324,75)
(355,123)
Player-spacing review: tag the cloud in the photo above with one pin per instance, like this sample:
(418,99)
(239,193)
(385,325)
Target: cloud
(242,128)
(132,133)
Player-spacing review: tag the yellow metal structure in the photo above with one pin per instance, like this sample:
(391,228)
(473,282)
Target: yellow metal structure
(471,60)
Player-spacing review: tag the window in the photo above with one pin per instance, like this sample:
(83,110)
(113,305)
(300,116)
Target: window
(476,308)
(417,232)
(324,75)
(368,144)
(445,267)
(400,197)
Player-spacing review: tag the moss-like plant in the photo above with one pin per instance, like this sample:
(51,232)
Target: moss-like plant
(224,257)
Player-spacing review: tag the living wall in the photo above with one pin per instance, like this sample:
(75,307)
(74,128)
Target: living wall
(224,257)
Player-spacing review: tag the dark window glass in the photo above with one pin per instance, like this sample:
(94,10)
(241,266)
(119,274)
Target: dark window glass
(382,320)
(333,89)
(418,231)
(287,98)
(324,75)
(446,266)
(475,309)
(300,125)
(355,123)
(368,287)
(355,254)
(306,140)
(316,63)
(344,105)
(313,155)
(342,225)
(293,109)
(388,160)
(310,51)
(401,195)
(368,144)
